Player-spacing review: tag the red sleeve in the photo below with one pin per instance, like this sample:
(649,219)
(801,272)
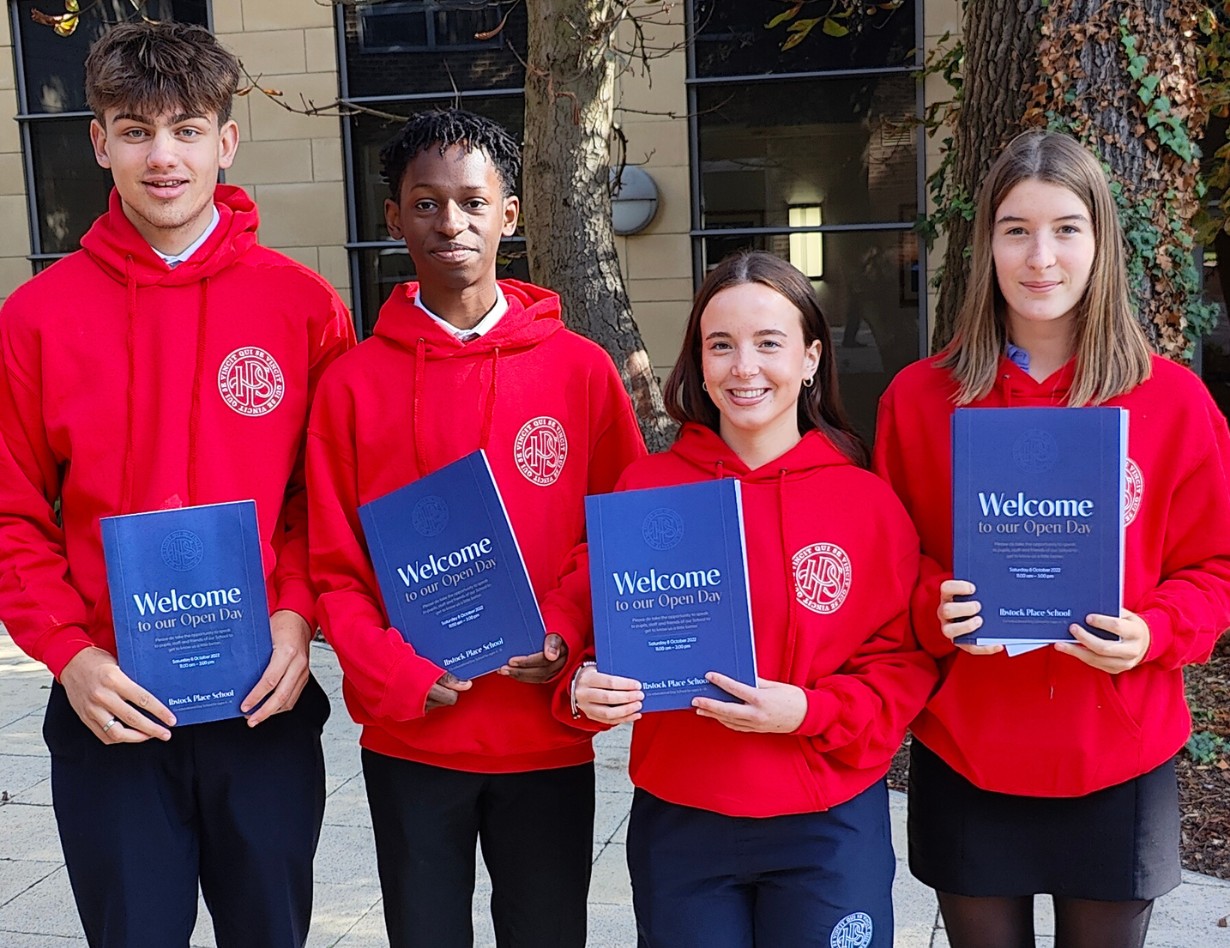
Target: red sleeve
(888,459)
(390,679)
(1190,607)
(859,714)
(331,336)
(41,609)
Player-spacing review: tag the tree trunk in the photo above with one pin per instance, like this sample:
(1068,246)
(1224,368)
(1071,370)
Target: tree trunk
(569,96)
(1000,37)
(1121,76)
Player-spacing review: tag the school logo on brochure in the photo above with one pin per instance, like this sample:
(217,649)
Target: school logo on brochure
(430,516)
(662,529)
(251,381)
(1133,491)
(821,577)
(182,550)
(540,450)
(1035,451)
(853,931)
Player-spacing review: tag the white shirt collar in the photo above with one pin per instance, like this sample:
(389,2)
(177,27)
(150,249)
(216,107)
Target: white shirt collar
(172,260)
(484,325)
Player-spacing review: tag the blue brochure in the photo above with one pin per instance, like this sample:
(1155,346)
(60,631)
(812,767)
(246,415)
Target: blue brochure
(668,572)
(450,570)
(1038,518)
(189,605)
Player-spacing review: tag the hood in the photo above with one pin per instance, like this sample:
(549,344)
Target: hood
(533,315)
(1015,386)
(116,246)
(705,450)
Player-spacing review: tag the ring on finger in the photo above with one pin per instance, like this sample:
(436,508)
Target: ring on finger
(110,724)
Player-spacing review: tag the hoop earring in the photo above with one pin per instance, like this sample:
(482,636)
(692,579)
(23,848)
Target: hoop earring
(809,381)
(704,386)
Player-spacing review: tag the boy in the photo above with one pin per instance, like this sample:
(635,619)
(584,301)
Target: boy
(171,361)
(459,362)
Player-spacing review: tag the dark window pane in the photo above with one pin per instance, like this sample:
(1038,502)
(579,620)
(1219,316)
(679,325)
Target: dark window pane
(847,146)
(381,269)
(732,39)
(70,189)
(870,294)
(54,65)
(396,48)
(370,134)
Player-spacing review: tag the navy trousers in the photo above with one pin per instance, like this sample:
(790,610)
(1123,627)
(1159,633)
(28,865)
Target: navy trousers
(813,879)
(234,809)
(536,831)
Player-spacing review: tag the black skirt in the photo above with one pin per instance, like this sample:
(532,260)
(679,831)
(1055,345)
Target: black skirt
(1117,844)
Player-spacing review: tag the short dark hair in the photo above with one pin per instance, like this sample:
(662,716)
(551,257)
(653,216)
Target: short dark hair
(443,128)
(819,405)
(156,67)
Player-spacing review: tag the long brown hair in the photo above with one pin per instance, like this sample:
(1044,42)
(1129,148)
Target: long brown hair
(819,405)
(1112,354)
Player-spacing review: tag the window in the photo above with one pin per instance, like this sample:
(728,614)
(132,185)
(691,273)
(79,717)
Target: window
(812,153)
(65,187)
(488,79)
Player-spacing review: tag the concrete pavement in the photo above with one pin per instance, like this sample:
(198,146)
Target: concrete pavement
(36,908)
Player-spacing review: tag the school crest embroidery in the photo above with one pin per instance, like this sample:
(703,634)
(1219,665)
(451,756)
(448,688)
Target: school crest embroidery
(250,381)
(821,577)
(853,931)
(540,450)
(1133,491)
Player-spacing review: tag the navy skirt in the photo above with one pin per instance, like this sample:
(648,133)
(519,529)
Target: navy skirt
(1118,844)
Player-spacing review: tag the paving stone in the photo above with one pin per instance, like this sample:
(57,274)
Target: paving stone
(19,875)
(45,908)
(19,773)
(610,813)
(29,832)
(610,884)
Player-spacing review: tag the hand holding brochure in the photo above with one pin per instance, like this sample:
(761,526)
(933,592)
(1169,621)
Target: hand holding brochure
(1038,521)
(450,571)
(189,605)
(668,573)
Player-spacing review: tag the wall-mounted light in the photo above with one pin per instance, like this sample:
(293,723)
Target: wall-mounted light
(634,200)
(807,250)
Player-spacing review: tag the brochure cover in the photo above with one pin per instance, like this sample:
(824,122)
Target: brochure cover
(1038,518)
(668,572)
(450,570)
(189,605)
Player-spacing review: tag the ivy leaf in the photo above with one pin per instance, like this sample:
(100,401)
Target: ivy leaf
(833,28)
(1147,87)
(798,32)
(788,14)
(72,6)
(67,25)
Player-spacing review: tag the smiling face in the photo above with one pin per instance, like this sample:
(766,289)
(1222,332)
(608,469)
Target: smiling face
(1043,246)
(452,214)
(754,361)
(165,168)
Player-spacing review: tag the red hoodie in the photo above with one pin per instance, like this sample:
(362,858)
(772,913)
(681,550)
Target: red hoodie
(1044,723)
(850,648)
(126,386)
(408,401)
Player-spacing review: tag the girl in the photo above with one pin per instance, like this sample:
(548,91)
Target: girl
(765,822)
(1051,772)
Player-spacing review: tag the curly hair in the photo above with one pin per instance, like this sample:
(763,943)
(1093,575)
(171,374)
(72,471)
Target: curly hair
(443,128)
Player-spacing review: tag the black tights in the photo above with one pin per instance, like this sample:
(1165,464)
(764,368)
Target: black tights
(1009,922)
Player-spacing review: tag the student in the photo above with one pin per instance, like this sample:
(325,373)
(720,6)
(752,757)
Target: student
(1052,772)
(459,362)
(765,822)
(169,362)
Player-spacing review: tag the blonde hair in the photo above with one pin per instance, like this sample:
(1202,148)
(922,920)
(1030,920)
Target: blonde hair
(1112,353)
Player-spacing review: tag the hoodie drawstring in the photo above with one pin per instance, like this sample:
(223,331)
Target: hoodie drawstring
(130,341)
(792,622)
(198,378)
(489,408)
(420,363)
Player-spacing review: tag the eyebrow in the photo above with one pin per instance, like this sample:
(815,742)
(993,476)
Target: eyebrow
(760,332)
(146,120)
(1009,219)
